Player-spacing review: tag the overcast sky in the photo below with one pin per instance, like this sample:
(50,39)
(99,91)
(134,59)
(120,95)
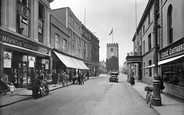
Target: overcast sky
(102,16)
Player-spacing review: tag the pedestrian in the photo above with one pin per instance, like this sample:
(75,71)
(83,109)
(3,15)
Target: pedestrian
(36,86)
(65,78)
(132,81)
(54,78)
(12,88)
(70,76)
(87,75)
(79,78)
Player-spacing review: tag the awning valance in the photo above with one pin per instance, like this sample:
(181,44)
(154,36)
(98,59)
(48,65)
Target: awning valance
(67,61)
(164,61)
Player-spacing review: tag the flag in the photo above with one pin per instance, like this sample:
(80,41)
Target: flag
(111,32)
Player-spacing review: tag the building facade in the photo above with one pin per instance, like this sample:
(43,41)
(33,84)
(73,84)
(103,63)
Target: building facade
(170,35)
(24,39)
(81,42)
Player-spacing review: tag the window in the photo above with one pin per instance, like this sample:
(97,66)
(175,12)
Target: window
(79,41)
(149,42)
(23,23)
(40,22)
(84,53)
(169,25)
(111,49)
(89,56)
(0,10)
(144,70)
(79,52)
(148,18)
(64,45)
(143,47)
(150,69)
(143,28)
(57,41)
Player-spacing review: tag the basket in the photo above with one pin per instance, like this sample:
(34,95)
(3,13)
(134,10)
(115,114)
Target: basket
(148,88)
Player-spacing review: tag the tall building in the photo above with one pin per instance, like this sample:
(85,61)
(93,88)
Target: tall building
(112,59)
(24,39)
(170,37)
(82,44)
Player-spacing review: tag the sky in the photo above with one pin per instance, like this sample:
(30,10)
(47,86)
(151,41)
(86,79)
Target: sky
(101,16)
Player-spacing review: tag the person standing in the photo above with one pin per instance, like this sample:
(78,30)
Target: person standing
(12,88)
(54,78)
(65,78)
(36,85)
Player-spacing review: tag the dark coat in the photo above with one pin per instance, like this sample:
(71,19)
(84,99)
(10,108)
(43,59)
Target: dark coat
(36,83)
(54,78)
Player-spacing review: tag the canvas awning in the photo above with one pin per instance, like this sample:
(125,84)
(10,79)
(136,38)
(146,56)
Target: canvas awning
(77,63)
(83,65)
(67,61)
(164,61)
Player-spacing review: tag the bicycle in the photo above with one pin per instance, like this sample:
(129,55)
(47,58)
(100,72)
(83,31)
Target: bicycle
(149,95)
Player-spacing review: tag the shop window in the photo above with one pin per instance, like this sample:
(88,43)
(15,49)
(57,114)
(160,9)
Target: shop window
(64,45)
(23,21)
(169,25)
(41,14)
(174,74)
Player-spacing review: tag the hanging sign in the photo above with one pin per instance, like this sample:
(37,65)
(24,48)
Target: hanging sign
(31,61)
(7,59)
(46,64)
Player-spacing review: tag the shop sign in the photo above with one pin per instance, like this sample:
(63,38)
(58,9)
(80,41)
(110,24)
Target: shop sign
(19,43)
(7,59)
(43,50)
(173,50)
(31,61)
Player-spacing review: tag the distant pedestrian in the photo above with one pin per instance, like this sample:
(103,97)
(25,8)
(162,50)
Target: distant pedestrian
(132,81)
(65,78)
(54,78)
(12,88)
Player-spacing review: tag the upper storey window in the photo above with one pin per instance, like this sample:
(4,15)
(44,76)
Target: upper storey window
(169,25)
(41,15)
(23,18)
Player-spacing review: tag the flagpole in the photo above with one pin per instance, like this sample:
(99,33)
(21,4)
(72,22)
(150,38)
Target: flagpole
(112,37)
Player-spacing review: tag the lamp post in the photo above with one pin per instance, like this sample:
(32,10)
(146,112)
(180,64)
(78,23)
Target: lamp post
(156,81)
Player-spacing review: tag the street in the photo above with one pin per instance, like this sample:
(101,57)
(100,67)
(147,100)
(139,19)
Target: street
(97,96)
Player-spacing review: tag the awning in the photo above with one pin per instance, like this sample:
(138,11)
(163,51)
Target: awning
(77,63)
(164,61)
(66,60)
(83,65)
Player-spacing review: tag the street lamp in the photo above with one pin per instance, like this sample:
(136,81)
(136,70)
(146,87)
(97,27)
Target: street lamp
(156,81)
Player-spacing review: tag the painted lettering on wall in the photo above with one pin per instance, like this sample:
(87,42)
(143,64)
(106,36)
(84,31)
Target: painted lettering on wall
(173,50)
(18,43)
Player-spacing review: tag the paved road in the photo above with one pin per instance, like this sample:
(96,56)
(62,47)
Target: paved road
(96,97)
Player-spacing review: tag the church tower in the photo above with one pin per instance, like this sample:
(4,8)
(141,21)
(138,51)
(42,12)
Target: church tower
(112,58)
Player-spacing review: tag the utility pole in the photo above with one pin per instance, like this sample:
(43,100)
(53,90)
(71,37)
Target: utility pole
(156,81)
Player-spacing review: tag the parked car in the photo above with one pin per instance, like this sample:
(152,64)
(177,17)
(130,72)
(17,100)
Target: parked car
(114,77)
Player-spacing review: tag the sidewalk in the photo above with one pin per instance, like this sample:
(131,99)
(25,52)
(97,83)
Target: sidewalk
(171,105)
(22,94)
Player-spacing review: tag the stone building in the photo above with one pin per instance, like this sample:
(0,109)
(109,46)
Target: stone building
(24,39)
(170,39)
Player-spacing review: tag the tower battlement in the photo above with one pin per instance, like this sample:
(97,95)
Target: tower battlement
(112,44)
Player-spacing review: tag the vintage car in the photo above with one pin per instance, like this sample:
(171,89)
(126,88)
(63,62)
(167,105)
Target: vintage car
(113,77)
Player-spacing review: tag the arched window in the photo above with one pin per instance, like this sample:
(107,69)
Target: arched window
(169,24)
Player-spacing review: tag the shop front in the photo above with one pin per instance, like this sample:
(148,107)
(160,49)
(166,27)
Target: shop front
(22,58)
(172,68)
